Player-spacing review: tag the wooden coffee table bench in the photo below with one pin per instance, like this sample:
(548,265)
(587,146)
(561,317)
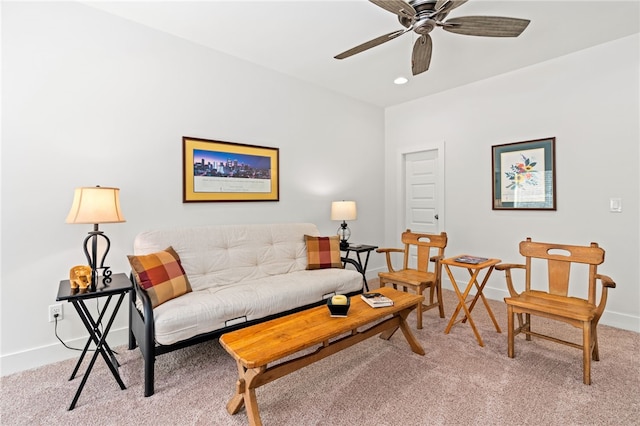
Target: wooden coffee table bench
(255,347)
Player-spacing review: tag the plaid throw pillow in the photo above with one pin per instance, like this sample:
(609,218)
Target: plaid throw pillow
(160,275)
(323,252)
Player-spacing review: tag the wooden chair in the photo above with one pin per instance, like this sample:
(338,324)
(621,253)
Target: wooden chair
(555,302)
(427,249)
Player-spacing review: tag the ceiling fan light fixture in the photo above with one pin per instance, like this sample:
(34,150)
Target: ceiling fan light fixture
(400,81)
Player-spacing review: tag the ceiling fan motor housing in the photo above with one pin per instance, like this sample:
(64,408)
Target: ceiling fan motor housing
(423,22)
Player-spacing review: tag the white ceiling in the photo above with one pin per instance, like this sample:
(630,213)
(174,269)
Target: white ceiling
(300,38)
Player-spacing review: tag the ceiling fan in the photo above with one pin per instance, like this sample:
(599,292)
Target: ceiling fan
(422,16)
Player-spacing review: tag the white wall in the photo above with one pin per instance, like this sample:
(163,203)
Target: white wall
(88,98)
(590,102)
(91,99)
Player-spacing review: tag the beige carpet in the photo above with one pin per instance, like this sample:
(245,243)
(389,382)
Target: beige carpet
(376,382)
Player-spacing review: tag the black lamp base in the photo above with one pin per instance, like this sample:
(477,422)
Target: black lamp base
(92,257)
(344,233)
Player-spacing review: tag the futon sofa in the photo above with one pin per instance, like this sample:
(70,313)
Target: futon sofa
(221,278)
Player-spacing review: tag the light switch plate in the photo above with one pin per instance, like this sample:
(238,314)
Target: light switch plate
(615,205)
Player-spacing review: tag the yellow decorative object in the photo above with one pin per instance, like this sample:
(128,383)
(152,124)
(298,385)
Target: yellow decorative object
(339,299)
(80,276)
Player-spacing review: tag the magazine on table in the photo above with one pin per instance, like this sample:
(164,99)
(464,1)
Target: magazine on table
(470,259)
(376,300)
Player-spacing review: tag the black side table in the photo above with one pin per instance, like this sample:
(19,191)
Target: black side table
(120,285)
(361,248)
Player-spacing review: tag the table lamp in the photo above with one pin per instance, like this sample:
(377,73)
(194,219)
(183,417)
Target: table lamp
(343,210)
(96,205)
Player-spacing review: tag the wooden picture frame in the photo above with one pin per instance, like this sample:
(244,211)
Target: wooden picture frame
(524,175)
(217,171)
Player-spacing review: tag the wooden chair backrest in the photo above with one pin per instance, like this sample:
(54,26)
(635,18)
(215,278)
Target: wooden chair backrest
(559,259)
(426,246)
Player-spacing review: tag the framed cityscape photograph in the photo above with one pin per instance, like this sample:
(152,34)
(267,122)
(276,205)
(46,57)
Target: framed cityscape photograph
(524,175)
(227,171)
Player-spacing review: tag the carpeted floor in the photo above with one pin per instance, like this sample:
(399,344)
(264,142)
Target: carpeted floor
(376,382)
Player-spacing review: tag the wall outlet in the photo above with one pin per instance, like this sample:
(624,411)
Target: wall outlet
(55,309)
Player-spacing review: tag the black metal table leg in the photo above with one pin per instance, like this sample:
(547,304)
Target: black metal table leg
(85,314)
(362,268)
(99,339)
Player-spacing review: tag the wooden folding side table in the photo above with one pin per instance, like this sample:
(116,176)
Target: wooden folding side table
(474,270)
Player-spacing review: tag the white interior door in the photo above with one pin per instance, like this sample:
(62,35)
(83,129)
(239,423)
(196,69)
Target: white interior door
(423,191)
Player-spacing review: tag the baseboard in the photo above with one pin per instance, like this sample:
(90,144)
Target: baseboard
(49,354)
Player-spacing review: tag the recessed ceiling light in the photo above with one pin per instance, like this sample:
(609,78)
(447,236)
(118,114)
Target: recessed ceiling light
(400,80)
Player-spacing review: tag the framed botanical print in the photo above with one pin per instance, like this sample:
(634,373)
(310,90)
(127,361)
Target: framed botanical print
(524,175)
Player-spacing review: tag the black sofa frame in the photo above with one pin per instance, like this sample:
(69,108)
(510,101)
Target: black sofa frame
(142,333)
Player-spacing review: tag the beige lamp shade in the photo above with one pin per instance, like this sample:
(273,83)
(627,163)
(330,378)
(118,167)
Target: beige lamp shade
(96,204)
(343,210)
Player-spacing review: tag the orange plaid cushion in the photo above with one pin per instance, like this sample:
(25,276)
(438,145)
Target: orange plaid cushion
(323,252)
(161,275)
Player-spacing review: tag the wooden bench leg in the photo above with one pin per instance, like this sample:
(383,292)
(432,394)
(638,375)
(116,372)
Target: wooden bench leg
(246,394)
(237,402)
(251,404)
(406,331)
(411,339)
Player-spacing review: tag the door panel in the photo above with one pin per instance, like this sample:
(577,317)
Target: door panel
(421,194)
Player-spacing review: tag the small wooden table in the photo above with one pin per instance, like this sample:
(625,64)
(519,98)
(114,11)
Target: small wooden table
(255,347)
(474,269)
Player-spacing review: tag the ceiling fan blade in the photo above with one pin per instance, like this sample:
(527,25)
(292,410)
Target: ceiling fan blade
(446,6)
(398,7)
(421,57)
(486,26)
(371,43)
